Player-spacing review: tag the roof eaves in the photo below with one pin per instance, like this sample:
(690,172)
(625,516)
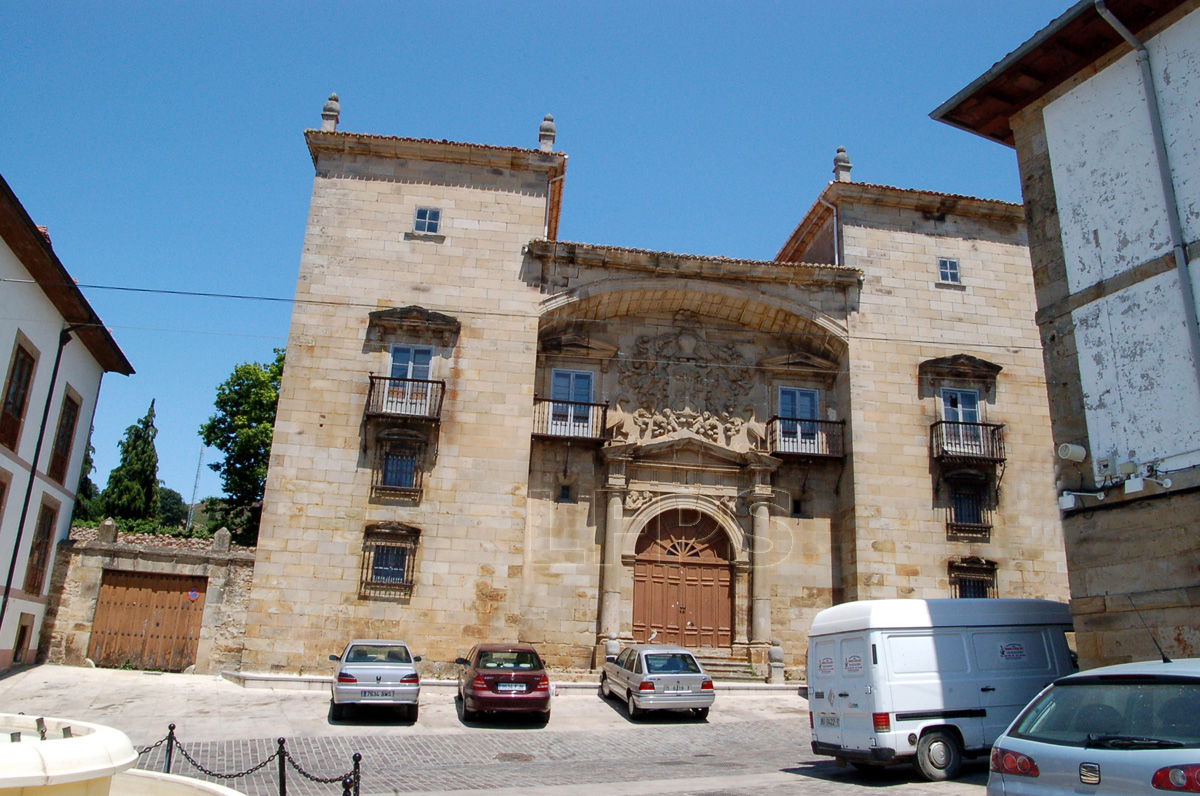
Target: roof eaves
(33,250)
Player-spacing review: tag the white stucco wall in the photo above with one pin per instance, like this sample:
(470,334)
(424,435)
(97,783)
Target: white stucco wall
(1139,392)
(26,313)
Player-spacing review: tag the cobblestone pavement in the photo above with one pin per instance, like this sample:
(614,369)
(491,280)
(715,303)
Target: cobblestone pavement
(750,743)
(671,754)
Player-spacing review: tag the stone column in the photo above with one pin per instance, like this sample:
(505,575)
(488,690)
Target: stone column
(612,570)
(760,575)
(610,578)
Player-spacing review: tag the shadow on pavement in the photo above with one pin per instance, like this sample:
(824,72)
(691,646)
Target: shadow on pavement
(974,772)
(373,716)
(650,717)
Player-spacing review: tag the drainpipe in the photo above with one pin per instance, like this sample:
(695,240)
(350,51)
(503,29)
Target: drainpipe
(64,337)
(1168,187)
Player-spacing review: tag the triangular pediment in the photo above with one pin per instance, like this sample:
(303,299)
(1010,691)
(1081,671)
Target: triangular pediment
(575,344)
(799,360)
(688,448)
(960,366)
(412,324)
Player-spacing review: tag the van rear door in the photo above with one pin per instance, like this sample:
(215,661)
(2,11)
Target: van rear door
(1013,665)
(823,657)
(851,697)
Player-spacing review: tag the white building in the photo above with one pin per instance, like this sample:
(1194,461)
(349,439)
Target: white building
(55,351)
(1102,107)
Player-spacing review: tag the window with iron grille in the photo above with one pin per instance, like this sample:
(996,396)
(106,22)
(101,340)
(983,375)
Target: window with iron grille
(60,455)
(16,397)
(39,550)
(972,578)
(389,556)
(969,513)
(397,470)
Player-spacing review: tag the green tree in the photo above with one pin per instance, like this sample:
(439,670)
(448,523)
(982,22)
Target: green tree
(132,489)
(172,510)
(87,494)
(241,429)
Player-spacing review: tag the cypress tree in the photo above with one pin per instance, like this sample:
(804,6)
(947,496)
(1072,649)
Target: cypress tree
(132,490)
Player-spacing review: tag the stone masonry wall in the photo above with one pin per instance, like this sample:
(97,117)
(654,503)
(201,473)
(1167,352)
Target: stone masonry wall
(899,545)
(470,559)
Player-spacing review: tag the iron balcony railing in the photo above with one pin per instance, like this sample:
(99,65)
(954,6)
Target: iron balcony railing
(976,442)
(799,436)
(569,419)
(416,398)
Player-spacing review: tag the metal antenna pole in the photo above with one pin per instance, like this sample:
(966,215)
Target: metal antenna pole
(195,489)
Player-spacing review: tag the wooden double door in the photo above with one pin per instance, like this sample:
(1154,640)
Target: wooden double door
(683,582)
(147,620)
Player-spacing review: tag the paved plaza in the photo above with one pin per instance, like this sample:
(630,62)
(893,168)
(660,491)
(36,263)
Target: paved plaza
(751,742)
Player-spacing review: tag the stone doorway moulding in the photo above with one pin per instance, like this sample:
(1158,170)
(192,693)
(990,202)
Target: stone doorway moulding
(683,581)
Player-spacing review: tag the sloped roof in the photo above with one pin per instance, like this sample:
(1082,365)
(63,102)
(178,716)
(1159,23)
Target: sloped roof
(1052,56)
(32,248)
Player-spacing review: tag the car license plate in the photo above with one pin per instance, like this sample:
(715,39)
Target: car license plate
(828,721)
(510,686)
(376,694)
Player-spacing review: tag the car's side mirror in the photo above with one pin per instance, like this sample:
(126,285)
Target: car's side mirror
(462,661)
(334,658)
(416,659)
(610,658)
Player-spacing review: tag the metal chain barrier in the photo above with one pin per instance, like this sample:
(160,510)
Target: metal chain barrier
(350,781)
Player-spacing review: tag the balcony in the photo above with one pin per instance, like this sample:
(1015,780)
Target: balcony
(954,442)
(795,436)
(419,399)
(571,420)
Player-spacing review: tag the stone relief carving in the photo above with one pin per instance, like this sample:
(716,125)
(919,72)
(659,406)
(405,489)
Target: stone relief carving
(635,499)
(681,382)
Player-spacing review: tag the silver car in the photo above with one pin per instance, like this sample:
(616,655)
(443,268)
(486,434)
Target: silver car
(657,677)
(376,672)
(1126,729)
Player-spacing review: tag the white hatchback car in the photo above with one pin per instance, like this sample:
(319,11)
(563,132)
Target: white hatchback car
(1128,729)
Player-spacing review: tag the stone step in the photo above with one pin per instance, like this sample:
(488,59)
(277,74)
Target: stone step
(728,669)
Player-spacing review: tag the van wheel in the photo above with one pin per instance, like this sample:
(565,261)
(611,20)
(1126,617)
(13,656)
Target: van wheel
(939,756)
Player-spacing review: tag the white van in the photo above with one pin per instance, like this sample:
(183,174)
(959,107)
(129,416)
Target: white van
(928,680)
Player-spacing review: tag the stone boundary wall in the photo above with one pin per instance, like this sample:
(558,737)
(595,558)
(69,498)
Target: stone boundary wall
(79,567)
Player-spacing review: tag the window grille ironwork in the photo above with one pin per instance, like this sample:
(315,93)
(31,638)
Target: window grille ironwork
(972,579)
(388,563)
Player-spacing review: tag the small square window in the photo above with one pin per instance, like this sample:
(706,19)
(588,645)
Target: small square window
(429,220)
(948,271)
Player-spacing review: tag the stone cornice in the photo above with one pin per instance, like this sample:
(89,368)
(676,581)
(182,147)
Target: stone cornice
(689,265)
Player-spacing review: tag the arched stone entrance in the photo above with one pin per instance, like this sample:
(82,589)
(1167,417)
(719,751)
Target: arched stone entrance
(683,581)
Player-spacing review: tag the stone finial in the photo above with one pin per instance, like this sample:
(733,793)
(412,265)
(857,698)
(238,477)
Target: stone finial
(546,133)
(331,113)
(220,542)
(842,165)
(107,532)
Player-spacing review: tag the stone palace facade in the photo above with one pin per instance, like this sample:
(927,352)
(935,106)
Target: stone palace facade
(487,433)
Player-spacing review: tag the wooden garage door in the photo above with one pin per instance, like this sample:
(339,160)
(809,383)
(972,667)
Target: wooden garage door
(146,620)
(683,584)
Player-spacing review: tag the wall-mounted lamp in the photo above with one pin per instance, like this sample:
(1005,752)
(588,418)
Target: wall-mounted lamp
(1072,453)
(1070,500)
(1138,484)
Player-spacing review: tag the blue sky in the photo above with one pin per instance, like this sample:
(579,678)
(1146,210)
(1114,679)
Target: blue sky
(162,143)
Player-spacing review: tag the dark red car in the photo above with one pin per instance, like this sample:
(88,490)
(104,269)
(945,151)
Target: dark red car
(503,678)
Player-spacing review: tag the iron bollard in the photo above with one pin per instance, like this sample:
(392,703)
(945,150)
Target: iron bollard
(282,768)
(170,747)
(357,758)
(347,785)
